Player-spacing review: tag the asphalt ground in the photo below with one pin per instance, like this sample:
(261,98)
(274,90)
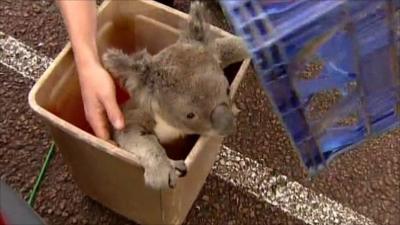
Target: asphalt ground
(365,180)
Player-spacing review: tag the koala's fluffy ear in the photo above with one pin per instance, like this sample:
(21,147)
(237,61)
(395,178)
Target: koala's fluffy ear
(127,69)
(231,50)
(197,28)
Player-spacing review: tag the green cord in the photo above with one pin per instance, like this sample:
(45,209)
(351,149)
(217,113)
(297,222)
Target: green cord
(39,179)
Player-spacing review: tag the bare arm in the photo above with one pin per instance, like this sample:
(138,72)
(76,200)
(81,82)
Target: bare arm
(97,86)
(80,20)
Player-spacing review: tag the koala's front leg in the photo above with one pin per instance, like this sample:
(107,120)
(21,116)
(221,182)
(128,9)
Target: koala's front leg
(138,138)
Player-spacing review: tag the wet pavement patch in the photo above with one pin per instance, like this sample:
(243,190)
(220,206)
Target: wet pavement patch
(23,139)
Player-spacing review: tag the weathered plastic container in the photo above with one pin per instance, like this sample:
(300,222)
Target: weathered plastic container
(108,174)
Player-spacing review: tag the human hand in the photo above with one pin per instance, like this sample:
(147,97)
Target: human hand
(99,100)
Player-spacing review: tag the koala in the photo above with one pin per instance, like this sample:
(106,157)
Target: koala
(179,91)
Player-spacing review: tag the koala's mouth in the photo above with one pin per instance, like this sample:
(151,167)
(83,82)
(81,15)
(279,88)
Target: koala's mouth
(223,120)
(212,132)
(215,133)
(226,132)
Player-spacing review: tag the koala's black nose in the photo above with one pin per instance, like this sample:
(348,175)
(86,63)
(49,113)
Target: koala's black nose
(223,120)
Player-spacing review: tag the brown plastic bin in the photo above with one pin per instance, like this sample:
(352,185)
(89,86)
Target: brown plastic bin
(108,174)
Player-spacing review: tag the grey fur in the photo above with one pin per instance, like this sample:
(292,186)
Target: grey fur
(181,90)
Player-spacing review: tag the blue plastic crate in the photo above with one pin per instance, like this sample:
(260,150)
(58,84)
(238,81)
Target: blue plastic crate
(354,44)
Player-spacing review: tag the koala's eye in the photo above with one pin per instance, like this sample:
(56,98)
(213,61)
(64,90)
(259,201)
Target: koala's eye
(190,115)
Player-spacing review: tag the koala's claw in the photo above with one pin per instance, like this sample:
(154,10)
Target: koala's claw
(164,174)
(172,181)
(180,167)
(180,171)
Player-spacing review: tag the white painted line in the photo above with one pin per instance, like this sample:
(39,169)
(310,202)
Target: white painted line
(21,58)
(289,196)
(231,166)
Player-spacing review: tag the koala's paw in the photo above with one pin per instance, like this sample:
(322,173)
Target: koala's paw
(180,167)
(164,174)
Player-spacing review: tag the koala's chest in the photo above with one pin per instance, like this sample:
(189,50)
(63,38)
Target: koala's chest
(165,132)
